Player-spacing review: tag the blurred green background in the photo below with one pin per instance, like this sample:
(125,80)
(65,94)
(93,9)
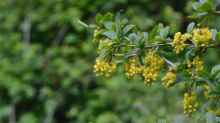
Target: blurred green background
(46,60)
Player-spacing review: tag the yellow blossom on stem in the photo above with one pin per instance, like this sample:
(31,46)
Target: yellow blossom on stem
(179,41)
(150,75)
(169,79)
(153,63)
(104,68)
(132,68)
(190,103)
(197,64)
(154,60)
(201,36)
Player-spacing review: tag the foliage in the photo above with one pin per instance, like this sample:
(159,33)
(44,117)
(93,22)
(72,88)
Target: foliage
(160,55)
(46,74)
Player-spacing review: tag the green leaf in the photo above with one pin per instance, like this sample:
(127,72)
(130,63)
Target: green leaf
(204,6)
(108,25)
(153,32)
(215,70)
(145,36)
(133,37)
(98,18)
(128,28)
(190,27)
(217,77)
(83,24)
(108,17)
(164,32)
(110,34)
(207,5)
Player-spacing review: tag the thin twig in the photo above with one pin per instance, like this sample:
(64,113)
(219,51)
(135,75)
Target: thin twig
(26,29)
(157,45)
(170,63)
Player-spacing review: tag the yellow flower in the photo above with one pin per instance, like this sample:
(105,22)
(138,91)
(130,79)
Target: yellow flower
(179,41)
(169,79)
(154,60)
(104,68)
(190,103)
(132,68)
(196,64)
(201,36)
(150,75)
(153,63)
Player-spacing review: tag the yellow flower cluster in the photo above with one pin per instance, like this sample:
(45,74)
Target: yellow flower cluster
(197,64)
(150,74)
(153,63)
(132,68)
(190,103)
(104,68)
(153,59)
(169,79)
(201,36)
(179,41)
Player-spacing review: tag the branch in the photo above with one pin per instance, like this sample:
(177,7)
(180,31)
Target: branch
(52,108)
(170,63)
(157,45)
(26,29)
(60,35)
(12,116)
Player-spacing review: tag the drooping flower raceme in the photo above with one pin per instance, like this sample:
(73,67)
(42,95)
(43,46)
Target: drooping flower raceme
(150,74)
(132,68)
(190,103)
(196,64)
(104,68)
(179,41)
(169,79)
(153,64)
